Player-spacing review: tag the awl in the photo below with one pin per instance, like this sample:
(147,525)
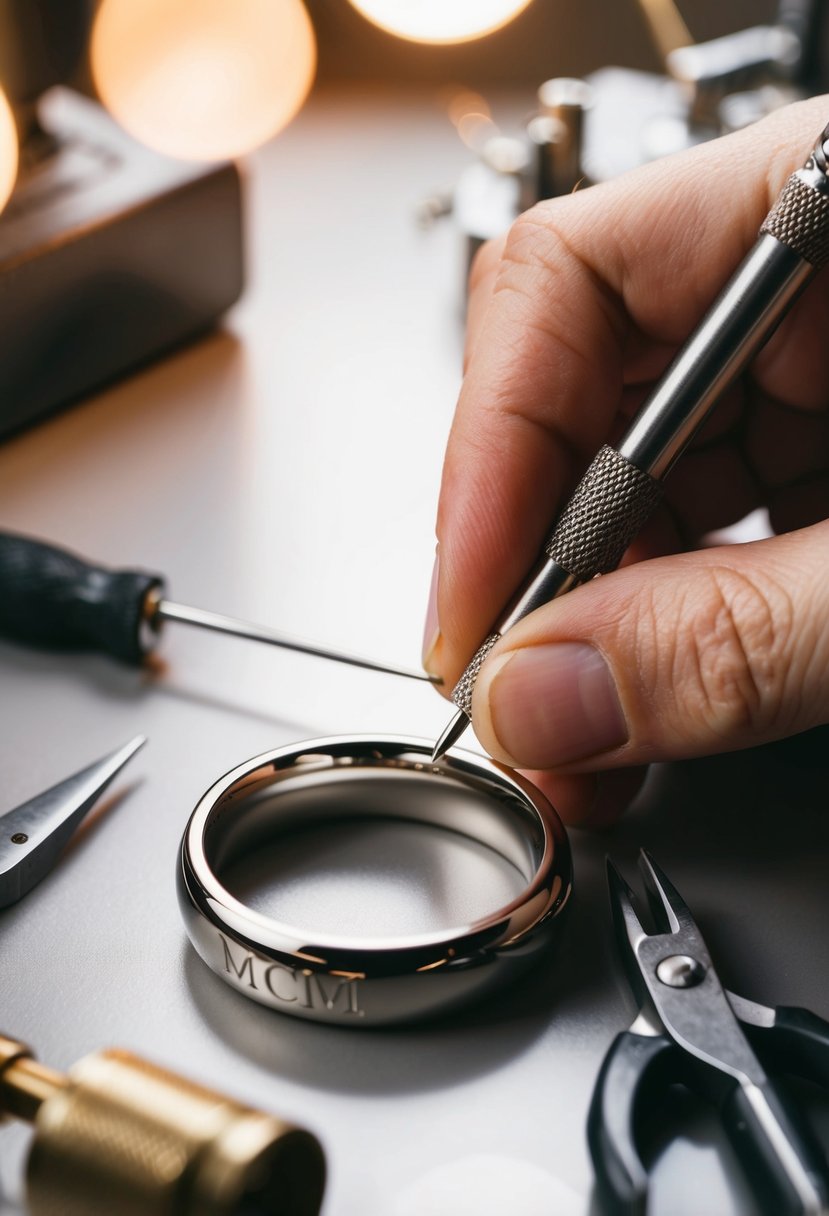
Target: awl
(54,599)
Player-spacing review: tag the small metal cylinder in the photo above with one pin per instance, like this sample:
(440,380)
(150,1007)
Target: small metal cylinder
(730,334)
(563,103)
(24,1084)
(123,1136)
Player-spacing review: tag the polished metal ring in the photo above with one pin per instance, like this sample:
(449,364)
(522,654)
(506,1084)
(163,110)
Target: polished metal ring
(371,981)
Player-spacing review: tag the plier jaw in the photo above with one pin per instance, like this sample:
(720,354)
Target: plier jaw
(691,1030)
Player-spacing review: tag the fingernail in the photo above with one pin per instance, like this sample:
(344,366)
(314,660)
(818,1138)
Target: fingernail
(431,630)
(554,704)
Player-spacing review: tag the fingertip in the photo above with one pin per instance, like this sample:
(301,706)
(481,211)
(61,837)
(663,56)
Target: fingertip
(549,705)
(434,666)
(483,704)
(431,625)
(589,801)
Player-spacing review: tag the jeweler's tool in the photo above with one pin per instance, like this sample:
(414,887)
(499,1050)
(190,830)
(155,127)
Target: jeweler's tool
(692,1030)
(33,835)
(52,598)
(119,1135)
(621,487)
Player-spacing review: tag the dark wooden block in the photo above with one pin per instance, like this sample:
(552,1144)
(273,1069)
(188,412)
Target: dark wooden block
(109,255)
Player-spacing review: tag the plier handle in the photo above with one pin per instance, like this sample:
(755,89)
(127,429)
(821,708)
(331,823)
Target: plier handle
(692,1030)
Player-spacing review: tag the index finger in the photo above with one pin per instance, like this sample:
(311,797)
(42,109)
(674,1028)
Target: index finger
(584,285)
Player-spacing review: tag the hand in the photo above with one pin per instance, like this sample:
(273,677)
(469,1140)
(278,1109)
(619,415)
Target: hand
(682,651)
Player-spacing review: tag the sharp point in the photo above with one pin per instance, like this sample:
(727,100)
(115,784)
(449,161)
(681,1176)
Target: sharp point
(128,750)
(666,902)
(623,904)
(450,736)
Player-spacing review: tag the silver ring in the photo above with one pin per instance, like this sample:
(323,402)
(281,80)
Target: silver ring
(371,981)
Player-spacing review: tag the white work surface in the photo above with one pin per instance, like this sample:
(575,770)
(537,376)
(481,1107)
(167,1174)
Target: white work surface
(285,469)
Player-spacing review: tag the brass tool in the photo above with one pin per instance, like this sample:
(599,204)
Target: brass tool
(117,1136)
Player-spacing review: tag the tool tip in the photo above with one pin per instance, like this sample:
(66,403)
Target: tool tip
(116,760)
(134,745)
(451,735)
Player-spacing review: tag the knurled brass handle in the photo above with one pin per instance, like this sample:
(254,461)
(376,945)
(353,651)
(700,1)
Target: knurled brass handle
(120,1135)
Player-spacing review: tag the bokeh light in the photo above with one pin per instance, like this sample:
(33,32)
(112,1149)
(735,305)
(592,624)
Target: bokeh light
(8,151)
(471,117)
(203,79)
(440,20)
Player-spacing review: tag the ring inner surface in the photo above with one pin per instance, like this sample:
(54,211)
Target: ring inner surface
(277,822)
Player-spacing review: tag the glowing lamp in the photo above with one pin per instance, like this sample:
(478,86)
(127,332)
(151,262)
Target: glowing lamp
(8,151)
(203,79)
(440,21)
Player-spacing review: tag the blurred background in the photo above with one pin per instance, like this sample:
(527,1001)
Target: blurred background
(109,110)
(548,38)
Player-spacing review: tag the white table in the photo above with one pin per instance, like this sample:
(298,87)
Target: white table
(285,469)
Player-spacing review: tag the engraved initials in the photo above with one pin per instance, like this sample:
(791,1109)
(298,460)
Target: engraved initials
(270,983)
(316,983)
(288,984)
(230,965)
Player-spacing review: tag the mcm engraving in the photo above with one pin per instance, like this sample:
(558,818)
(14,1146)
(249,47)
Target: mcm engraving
(232,969)
(284,989)
(292,985)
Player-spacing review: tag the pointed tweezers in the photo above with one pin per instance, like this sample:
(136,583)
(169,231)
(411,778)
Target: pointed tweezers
(33,835)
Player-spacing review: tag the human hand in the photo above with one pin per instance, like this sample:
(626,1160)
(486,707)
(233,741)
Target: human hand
(682,651)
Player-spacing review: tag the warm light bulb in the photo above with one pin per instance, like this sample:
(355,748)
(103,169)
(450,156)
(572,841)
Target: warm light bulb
(203,79)
(8,150)
(440,20)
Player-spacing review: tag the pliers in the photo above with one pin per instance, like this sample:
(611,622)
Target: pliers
(691,1030)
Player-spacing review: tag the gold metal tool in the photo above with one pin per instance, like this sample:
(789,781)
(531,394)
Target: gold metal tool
(117,1136)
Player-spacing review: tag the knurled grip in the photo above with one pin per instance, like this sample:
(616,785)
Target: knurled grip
(462,692)
(610,505)
(800,219)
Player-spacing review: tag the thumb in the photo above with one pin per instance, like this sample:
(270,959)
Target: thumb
(681,656)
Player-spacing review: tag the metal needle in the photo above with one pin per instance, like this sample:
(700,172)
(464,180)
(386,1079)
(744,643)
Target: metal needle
(50,597)
(166,610)
(451,735)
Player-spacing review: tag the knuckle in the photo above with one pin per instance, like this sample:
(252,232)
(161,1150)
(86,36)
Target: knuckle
(536,238)
(730,671)
(539,272)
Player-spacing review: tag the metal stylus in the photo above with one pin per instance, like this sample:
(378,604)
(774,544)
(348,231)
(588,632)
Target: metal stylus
(50,597)
(621,486)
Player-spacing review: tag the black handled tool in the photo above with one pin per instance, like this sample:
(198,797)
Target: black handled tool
(691,1030)
(54,599)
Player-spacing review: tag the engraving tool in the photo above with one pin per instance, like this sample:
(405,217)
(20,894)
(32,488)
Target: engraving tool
(622,486)
(33,835)
(52,598)
(120,1136)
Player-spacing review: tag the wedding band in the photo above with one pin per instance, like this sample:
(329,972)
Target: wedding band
(364,981)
